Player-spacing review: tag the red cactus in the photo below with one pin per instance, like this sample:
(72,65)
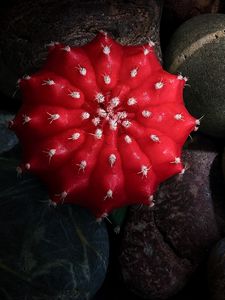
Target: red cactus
(103,124)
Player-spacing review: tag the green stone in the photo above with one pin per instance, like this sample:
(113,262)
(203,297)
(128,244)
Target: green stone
(197,51)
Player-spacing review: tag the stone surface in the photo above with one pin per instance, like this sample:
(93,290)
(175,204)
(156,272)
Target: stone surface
(8,138)
(28,26)
(46,253)
(167,243)
(223,162)
(177,12)
(185,9)
(200,56)
(216,271)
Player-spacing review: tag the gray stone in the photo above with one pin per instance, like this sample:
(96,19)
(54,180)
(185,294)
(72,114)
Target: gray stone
(197,51)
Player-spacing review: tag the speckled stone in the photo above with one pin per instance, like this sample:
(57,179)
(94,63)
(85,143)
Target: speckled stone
(162,247)
(197,51)
(47,252)
(216,271)
(28,26)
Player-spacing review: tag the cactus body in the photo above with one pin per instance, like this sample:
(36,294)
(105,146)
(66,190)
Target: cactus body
(103,124)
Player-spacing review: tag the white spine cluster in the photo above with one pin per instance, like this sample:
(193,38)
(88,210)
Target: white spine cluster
(126,124)
(144,171)
(178,117)
(112,159)
(50,153)
(96,121)
(53,117)
(26,119)
(74,136)
(107,79)
(82,165)
(82,70)
(66,48)
(48,82)
(146,113)
(159,85)
(109,194)
(85,115)
(115,101)
(176,161)
(134,72)
(98,133)
(106,49)
(127,139)
(99,98)
(131,101)
(74,94)
(154,138)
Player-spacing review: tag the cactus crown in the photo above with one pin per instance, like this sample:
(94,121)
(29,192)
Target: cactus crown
(103,124)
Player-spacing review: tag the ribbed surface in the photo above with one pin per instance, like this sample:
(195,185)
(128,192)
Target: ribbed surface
(103,124)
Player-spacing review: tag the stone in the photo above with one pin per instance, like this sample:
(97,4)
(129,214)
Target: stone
(216,271)
(185,9)
(47,252)
(197,51)
(224,164)
(162,247)
(7,137)
(28,26)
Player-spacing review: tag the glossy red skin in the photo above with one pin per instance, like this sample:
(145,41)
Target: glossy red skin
(125,177)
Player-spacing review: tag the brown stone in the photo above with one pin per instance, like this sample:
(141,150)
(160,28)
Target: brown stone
(162,247)
(28,26)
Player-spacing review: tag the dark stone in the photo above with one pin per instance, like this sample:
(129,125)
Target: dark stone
(197,51)
(8,139)
(217,188)
(27,27)
(185,9)
(177,12)
(216,271)
(223,162)
(46,253)
(162,247)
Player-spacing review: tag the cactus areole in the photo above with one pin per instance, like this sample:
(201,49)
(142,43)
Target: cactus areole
(102,124)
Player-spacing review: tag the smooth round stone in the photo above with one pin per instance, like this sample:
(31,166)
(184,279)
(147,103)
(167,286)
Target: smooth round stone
(216,271)
(197,51)
(163,246)
(8,138)
(29,26)
(47,252)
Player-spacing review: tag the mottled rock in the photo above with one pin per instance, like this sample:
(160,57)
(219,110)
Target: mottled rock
(197,51)
(162,247)
(216,271)
(47,252)
(28,26)
(8,138)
